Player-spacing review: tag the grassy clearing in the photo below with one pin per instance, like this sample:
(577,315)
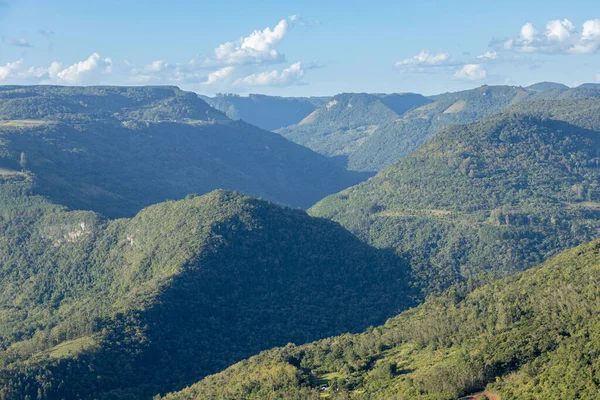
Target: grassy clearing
(24,123)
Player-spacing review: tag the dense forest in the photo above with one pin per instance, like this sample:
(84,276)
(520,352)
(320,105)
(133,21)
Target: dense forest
(342,125)
(117,150)
(368,132)
(129,308)
(126,274)
(495,196)
(531,336)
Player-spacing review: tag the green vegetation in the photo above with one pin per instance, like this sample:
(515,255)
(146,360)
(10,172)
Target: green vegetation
(266,112)
(541,86)
(132,307)
(340,126)
(495,196)
(531,336)
(368,137)
(117,150)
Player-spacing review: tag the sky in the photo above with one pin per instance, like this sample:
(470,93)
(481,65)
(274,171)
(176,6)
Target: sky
(300,48)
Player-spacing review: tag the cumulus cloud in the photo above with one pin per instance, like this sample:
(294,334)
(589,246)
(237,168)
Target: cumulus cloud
(257,48)
(471,72)
(488,55)
(77,72)
(10,69)
(219,75)
(19,42)
(80,72)
(424,58)
(277,78)
(559,37)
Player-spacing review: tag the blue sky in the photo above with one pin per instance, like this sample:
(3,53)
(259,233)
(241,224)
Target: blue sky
(300,48)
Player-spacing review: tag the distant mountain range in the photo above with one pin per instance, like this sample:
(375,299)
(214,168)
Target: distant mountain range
(266,112)
(370,135)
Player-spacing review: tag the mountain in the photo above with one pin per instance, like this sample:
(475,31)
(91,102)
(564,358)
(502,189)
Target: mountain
(340,126)
(372,143)
(116,150)
(592,85)
(266,112)
(399,138)
(149,103)
(128,308)
(495,196)
(531,336)
(541,86)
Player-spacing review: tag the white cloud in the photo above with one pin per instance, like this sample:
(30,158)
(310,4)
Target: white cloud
(257,48)
(424,58)
(471,72)
(285,77)
(560,37)
(9,70)
(219,75)
(488,55)
(77,72)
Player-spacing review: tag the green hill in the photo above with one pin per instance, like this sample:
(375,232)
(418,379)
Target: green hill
(129,308)
(149,103)
(531,336)
(348,120)
(498,196)
(266,112)
(541,86)
(373,139)
(117,150)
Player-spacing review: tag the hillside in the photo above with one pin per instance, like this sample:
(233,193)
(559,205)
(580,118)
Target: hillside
(132,307)
(341,125)
(266,112)
(117,150)
(495,196)
(531,336)
(371,143)
(541,86)
(149,103)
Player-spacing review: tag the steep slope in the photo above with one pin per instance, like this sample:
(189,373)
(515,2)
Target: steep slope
(400,137)
(266,112)
(116,157)
(498,195)
(532,336)
(340,126)
(579,111)
(129,308)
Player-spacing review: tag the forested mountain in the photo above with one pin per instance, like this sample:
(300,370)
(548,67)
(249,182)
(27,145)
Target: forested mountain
(348,120)
(498,196)
(375,139)
(116,150)
(129,308)
(531,336)
(266,112)
(399,138)
(149,103)
(541,86)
